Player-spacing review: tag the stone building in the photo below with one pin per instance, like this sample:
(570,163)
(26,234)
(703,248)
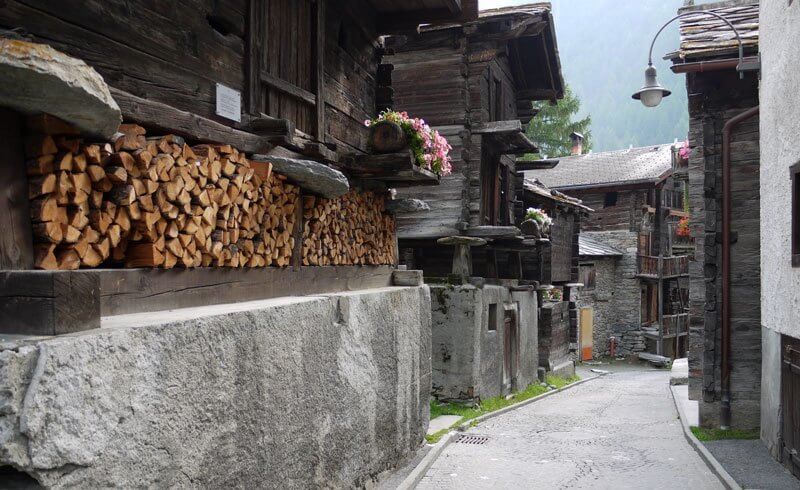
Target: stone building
(723,127)
(780,215)
(636,205)
(250,362)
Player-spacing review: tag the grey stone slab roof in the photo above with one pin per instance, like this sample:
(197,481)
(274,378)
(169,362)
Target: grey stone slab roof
(704,36)
(590,247)
(648,164)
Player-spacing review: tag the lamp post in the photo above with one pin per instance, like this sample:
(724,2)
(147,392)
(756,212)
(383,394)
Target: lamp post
(652,92)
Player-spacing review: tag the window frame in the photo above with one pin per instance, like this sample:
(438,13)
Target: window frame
(794,173)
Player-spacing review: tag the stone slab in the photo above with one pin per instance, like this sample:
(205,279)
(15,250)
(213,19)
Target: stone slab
(37,78)
(311,176)
(679,374)
(443,422)
(254,395)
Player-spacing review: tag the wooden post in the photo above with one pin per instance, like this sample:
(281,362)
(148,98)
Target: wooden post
(255,42)
(16,242)
(320,70)
(462,258)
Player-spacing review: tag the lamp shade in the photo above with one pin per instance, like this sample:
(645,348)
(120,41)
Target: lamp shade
(652,93)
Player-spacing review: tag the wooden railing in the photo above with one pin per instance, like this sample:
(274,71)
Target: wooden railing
(675,324)
(648,265)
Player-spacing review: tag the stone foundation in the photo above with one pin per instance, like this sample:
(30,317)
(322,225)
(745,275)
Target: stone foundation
(321,391)
(468,356)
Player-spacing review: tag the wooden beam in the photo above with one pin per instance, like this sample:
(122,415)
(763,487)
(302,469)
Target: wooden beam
(139,290)
(320,70)
(288,88)
(156,115)
(398,169)
(49,302)
(498,127)
(256,24)
(16,241)
(493,231)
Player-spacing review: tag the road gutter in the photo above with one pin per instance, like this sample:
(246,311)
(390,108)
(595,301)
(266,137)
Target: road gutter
(725,478)
(418,473)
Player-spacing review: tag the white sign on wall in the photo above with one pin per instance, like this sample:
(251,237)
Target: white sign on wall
(229,103)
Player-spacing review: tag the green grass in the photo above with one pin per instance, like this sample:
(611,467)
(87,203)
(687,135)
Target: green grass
(491,404)
(718,434)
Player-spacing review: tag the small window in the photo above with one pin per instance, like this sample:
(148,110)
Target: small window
(610,199)
(588,276)
(492,316)
(794,171)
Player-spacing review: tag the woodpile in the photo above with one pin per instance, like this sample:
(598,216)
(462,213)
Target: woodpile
(153,202)
(350,230)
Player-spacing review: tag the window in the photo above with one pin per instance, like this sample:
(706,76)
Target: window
(588,276)
(610,199)
(794,171)
(492,317)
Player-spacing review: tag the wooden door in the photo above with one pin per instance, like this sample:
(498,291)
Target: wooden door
(587,334)
(510,349)
(790,403)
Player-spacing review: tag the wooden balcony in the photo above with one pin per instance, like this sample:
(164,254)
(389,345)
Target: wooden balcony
(653,267)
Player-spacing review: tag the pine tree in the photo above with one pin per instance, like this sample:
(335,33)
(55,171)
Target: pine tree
(551,127)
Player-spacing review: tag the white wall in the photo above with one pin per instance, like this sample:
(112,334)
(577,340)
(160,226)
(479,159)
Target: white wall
(780,149)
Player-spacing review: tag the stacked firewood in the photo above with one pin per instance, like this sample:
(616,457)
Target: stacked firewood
(350,230)
(154,202)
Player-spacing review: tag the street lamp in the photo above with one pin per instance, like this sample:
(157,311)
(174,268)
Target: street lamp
(652,92)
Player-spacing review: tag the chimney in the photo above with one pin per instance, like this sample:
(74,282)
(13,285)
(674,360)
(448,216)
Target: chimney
(577,143)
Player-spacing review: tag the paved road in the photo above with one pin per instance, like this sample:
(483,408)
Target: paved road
(619,431)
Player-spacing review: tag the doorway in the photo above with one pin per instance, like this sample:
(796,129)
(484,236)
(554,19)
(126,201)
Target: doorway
(790,403)
(510,348)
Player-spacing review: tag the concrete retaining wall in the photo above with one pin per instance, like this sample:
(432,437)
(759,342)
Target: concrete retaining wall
(323,391)
(468,357)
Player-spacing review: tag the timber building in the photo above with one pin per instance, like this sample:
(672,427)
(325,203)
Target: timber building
(487,73)
(241,173)
(637,205)
(719,138)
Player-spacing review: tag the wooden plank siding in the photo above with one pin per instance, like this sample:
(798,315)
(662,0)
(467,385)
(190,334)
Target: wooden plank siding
(169,52)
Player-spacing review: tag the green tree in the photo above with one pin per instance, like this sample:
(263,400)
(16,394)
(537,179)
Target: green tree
(551,127)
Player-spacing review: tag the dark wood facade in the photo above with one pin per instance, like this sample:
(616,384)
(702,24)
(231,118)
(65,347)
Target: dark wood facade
(308,72)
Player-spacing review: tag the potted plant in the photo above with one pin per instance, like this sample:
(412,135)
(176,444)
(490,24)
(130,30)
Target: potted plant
(537,223)
(430,149)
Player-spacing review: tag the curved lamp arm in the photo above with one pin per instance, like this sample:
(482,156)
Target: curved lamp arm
(700,12)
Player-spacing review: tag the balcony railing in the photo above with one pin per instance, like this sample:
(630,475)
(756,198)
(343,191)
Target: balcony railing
(675,324)
(664,267)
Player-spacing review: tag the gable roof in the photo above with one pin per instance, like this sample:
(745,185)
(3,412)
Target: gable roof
(704,36)
(646,165)
(591,247)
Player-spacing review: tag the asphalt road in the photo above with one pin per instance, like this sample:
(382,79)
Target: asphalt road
(619,431)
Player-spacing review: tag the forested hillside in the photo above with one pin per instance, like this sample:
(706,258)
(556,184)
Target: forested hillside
(603,46)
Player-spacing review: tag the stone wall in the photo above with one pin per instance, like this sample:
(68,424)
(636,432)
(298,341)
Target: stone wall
(616,298)
(780,127)
(468,359)
(717,97)
(323,391)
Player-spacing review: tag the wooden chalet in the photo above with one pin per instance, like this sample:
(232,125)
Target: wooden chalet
(487,73)
(263,99)
(637,206)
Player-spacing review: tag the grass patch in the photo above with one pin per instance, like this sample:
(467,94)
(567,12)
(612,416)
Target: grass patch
(706,435)
(491,404)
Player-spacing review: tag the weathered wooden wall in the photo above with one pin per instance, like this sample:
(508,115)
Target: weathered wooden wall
(716,98)
(626,214)
(171,52)
(175,53)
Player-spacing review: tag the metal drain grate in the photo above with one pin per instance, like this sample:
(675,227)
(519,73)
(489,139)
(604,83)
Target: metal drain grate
(472,439)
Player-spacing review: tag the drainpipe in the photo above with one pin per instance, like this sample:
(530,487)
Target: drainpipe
(713,65)
(725,405)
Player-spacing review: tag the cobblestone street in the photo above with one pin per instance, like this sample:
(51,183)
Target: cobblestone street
(619,431)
